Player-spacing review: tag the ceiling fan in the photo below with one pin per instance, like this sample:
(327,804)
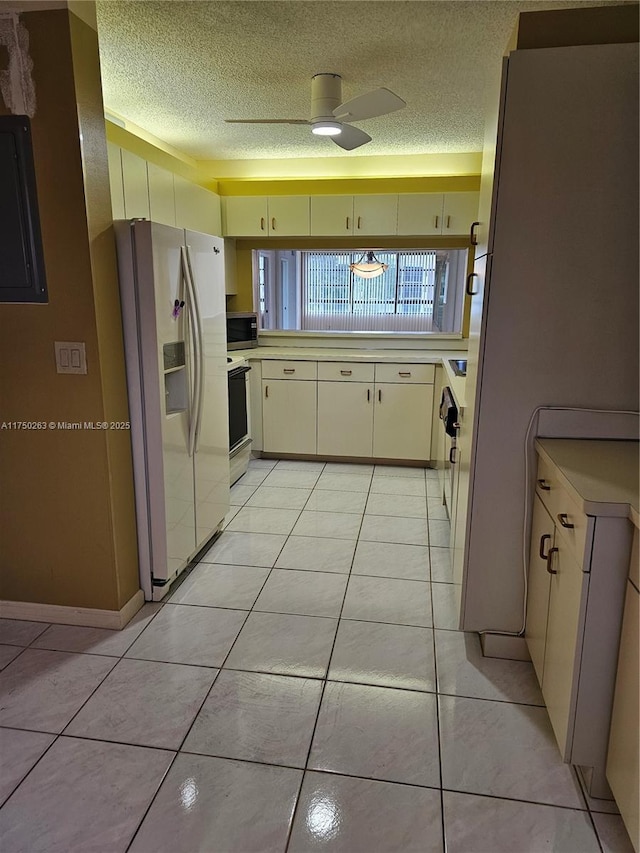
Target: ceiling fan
(330,117)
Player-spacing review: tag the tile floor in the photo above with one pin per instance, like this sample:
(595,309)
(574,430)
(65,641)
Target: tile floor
(303,689)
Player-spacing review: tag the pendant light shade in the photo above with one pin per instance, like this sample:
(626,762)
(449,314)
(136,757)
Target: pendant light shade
(369,268)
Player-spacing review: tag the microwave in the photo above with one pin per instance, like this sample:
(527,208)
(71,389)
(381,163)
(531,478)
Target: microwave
(242,330)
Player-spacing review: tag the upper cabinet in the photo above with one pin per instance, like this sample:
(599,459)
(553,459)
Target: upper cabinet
(142,190)
(388,214)
(259,216)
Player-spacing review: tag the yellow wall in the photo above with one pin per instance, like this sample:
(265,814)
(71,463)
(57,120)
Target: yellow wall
(67,515)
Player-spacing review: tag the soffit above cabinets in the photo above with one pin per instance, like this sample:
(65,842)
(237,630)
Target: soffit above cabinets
(178,69)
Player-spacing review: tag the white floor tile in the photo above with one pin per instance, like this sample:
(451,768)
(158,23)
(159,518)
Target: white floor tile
(382,559)
(253,477)
(490,825)
(300,465)
(7,654)
(503,750)
(243,718)
(399,471)
(18,632)
(292,479)
(402,531)
(384,655)
(439,533)
(441,568)
(612,833)
(311,553)
(83,795)
(349,815)
(278,498)
(377,733)
(329,500)
(19,751)
(381,485)
(302,593)
(255,519)
(388,600)
(332,525)
(240,493)
(436,509)
(215,585)
(208,804)
(397,505)
(445,605)
(347,468)
(246,549)
(345,482)
(262,464)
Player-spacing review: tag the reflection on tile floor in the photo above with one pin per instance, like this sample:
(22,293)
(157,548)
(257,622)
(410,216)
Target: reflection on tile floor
(304,688)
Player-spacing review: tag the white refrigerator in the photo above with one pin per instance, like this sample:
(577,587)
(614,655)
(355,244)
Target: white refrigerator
(173,308)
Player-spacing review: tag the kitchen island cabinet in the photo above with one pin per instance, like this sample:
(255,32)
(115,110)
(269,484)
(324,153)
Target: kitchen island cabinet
(580,549)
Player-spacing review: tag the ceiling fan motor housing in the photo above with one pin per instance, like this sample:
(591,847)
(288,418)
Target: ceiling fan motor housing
(326,95)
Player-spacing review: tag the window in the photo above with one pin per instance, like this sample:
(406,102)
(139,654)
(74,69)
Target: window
(421,291)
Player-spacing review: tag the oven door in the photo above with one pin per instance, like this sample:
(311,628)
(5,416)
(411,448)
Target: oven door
(238,420)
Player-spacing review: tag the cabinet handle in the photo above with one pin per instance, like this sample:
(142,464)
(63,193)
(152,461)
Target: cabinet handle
(448,223)
(551,571)
(347,223)
(543,539)
(562,518)
(404,373)
(543,485)
(456,425)
(379,395)
(273,223)
(469,284)
(262,223)
(346,372)
(473,237)
(452,452)
(368,395)
(437,221)
(359,221)
(266,390)
(288,370)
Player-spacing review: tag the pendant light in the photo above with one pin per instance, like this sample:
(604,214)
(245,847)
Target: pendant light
(371,268)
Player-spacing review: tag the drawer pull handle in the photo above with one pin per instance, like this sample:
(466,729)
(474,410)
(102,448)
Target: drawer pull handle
(405,373)
(543,485)
(543,539)
(379,395)
(262,223)
(346,372)
(448,222)
(266,390)
(469,285)
(452,452)
(273,223)
(359,222)
(437,222)
(347,222)
(288,370)
(368,394)
(562,518)
(551,571)
(473,237)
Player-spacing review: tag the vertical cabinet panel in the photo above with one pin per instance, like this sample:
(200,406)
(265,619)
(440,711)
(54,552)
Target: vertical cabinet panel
(289,216)
(420,213)
(289,416)
(332,215)
(136,186)
(402,421)
(345,418)
(538,586)
(116,185)
(375,214)
(162,203)
(460,210)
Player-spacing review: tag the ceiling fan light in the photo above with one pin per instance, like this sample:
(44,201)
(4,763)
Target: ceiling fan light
(326,128)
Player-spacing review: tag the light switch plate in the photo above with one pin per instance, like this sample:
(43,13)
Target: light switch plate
(70,357)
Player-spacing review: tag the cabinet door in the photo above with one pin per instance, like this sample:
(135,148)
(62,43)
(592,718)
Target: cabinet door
(420,213)
(562,651)
(375,214)
(460,210)
(136,186)
(289,415)
(289,216)
(402,421)
(197,209)
(345,418)
(539,581)
(246,216)
(162,202)
(332,215)
(115,180)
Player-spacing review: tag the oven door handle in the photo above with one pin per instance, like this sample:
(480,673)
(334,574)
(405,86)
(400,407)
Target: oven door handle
(238,371)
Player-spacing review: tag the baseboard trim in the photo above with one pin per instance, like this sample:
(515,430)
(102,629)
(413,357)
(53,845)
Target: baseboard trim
(62,615)
(501,646)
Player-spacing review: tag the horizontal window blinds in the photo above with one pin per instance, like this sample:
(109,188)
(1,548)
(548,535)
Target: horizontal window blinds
(401,299)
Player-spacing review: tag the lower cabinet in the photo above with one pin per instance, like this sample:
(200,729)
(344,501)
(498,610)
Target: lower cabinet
(345,418)
(289,415)
(402,421)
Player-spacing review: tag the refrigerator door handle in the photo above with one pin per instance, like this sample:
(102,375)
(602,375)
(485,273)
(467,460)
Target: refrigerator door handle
(199,353)
(186,273)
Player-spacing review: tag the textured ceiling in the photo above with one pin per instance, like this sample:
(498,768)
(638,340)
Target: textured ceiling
(178,69)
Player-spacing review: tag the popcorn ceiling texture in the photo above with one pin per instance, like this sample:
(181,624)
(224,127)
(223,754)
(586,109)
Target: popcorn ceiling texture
(178,69)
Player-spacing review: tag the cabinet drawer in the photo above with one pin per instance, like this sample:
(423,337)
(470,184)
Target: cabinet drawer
(344,371)
(559,504)
(289,369)
(409,373)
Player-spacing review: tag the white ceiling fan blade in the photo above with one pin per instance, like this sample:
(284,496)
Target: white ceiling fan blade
(351,137)
(266,121)
(379,102)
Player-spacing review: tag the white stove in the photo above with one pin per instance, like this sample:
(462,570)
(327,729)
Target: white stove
(239,420)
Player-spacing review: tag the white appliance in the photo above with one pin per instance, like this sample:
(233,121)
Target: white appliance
(173,307)
(554,308)
(239,416)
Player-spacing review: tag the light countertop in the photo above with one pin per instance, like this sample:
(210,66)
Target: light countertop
(601,476)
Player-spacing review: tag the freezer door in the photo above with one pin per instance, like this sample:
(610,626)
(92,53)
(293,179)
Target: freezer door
(206,254)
